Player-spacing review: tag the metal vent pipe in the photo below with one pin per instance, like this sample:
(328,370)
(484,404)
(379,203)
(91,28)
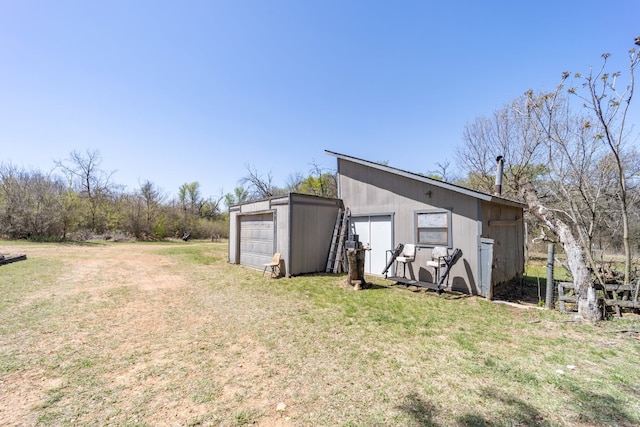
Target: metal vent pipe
(498,187)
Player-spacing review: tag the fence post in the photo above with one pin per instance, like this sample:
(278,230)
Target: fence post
(548,301)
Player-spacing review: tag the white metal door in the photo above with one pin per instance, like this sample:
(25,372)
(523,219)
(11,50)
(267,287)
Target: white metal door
(375,231)
(256,239)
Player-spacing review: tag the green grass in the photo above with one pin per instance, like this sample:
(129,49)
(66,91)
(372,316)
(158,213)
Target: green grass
(196,255)
(225,345)
(27,276)
(536,271)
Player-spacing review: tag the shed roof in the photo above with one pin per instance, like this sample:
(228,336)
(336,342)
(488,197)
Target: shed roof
(436,183)
(281,199)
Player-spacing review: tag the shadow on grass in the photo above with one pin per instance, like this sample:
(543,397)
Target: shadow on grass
(421,411)
(592,409)
(375,287)
(516,412)
(601,409)
(607,410)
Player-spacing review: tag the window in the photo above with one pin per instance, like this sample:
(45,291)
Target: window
(433,228)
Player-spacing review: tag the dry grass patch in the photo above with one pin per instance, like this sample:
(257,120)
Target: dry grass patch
(170,334)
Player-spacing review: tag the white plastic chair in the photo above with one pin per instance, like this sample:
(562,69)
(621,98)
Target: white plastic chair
(437,261)
(408,255)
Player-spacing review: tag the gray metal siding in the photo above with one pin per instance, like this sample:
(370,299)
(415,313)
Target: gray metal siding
(298,226)
(311,227)
(234,236)
(282,233)
(257,206)
(368,191)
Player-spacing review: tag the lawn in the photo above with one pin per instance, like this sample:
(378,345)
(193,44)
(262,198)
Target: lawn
(171,334)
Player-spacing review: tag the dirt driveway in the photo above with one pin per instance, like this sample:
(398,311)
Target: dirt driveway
(125,334)
(172,335)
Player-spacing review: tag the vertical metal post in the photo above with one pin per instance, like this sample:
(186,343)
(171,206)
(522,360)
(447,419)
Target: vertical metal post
(548,301)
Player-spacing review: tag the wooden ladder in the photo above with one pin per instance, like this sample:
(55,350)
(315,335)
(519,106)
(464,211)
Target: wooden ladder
(336,250)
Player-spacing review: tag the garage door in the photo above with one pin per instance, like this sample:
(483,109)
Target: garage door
(256,239)
(377,231)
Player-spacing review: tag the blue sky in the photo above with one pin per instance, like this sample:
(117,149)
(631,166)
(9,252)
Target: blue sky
(175,92)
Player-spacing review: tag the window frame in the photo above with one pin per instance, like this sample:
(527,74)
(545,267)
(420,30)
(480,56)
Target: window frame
(417,228)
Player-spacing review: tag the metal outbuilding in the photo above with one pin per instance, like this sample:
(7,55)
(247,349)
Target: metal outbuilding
(298,226)
(390,206)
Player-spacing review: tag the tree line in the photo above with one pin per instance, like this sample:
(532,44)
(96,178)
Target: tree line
(256,185)
(79,200)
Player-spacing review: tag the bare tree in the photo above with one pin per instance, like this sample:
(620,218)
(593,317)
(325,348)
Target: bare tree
(327,180)
(443,172)
(576,260)
(93,183)
(153,198)
(509,133)
(211,207)
(547,168)
(610,105)
(294,182)
(572,170)
(319,182)
(191,202)
(259,187)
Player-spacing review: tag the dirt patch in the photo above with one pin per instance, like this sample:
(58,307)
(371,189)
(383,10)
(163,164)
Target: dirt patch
(135,327)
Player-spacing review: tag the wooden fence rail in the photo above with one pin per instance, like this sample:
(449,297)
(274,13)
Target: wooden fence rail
(615,295)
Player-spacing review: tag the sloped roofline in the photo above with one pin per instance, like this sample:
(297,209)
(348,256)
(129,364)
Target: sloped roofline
(451,187)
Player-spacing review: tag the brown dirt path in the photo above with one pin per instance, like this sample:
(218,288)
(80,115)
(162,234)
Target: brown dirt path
(137,347)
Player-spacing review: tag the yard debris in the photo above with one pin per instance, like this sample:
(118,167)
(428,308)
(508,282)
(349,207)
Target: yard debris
(8,259)
(630,333)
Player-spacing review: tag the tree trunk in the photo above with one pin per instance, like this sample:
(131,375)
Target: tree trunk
(625,240)
(588,308)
